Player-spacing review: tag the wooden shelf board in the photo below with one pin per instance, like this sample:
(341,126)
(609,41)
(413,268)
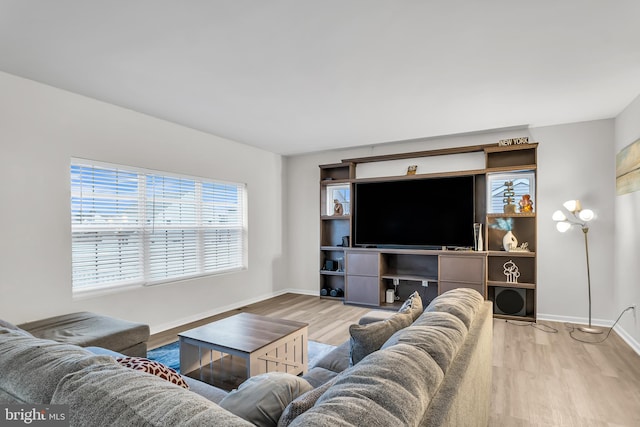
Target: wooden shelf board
(511,285)
(412,277)
(326,182)
(513,254)
(512,215)
(518,168)
(391,305)
(330,297)
(332,273)
(420,176)
(333,248)
(334,217)
(501,148)
(517,318)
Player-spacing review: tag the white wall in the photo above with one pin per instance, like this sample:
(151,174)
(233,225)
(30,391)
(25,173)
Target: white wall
(626,286)
(574,162)
(41,128)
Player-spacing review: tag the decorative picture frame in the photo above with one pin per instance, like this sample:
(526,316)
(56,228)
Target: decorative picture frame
(628,169)
(511,193)
(338,199)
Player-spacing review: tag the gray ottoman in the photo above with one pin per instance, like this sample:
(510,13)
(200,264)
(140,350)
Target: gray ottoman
(89,329)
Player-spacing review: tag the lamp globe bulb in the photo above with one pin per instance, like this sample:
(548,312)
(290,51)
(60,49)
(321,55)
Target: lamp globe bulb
(559,216)
(586,215)
(563,226)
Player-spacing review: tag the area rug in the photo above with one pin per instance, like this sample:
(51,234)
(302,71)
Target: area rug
(169,355)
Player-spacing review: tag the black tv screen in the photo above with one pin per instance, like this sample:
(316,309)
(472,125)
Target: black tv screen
(415,213)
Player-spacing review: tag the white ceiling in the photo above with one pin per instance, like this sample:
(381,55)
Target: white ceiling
(298,76)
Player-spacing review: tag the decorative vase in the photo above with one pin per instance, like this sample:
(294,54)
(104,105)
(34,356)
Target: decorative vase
(480,243)
(509,241)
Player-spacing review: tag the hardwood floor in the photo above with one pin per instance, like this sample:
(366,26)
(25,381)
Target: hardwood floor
(540,379)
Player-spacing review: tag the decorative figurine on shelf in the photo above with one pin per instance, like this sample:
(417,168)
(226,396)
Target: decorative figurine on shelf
(337,207)
(509,241)
(411,170)
(526,205)
(508,199)
(511,271)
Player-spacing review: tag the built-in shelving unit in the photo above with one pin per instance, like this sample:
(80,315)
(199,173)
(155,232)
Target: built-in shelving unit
(332,230)
(364,274)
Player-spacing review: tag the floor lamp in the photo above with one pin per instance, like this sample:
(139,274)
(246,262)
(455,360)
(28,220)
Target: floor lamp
(580,217)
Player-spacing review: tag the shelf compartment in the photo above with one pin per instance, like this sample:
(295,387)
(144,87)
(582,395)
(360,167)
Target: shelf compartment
(522,227)
(333,231)
(409,265)
(530,305)
(511,156)
(526,267)
(331,281)
(336,172)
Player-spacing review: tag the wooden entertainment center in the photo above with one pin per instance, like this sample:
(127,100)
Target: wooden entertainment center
(364,274)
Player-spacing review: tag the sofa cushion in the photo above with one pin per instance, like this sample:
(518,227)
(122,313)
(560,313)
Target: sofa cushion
(318,376)
(154,368)
(413,305)
(8,325)
(463,303)
(440,343)
(337,360)
(303,403)
(391,387)
(365,339)
(30,368)
(262,399)
(117,396)
(90,329)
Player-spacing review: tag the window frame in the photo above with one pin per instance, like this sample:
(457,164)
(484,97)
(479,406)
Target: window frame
(237,245)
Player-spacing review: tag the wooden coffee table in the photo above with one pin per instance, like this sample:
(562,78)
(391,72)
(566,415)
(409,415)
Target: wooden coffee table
(265,343)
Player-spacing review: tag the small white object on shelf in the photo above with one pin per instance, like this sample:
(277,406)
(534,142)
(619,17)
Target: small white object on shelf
(511,271)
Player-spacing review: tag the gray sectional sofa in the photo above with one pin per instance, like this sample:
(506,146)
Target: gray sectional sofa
(432,368)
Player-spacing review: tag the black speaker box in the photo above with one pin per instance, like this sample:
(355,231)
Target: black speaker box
(510,301)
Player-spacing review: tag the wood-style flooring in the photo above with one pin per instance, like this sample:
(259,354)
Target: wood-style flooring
(540,379)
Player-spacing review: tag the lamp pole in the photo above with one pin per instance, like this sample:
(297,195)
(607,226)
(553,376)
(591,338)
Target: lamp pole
(589,329)
(579,217)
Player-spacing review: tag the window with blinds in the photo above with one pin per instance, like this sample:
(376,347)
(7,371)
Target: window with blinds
(133,226)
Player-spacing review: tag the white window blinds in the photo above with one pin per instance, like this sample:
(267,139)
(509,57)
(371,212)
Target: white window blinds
(132,226)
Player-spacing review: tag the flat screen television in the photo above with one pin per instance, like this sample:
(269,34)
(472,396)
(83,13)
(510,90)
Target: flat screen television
(415,213)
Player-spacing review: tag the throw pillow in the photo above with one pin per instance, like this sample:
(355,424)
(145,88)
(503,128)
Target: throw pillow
(262,399)
(365,339)
(303,403)
(154,368)
(413,305)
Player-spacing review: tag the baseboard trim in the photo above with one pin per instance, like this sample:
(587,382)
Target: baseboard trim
(194,318)
(626,337)
(575,320)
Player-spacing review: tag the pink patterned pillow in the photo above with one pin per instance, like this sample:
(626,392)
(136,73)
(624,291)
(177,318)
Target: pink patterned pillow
(154,368)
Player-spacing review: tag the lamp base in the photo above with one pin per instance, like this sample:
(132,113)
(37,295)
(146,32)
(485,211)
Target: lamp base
(590,330)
